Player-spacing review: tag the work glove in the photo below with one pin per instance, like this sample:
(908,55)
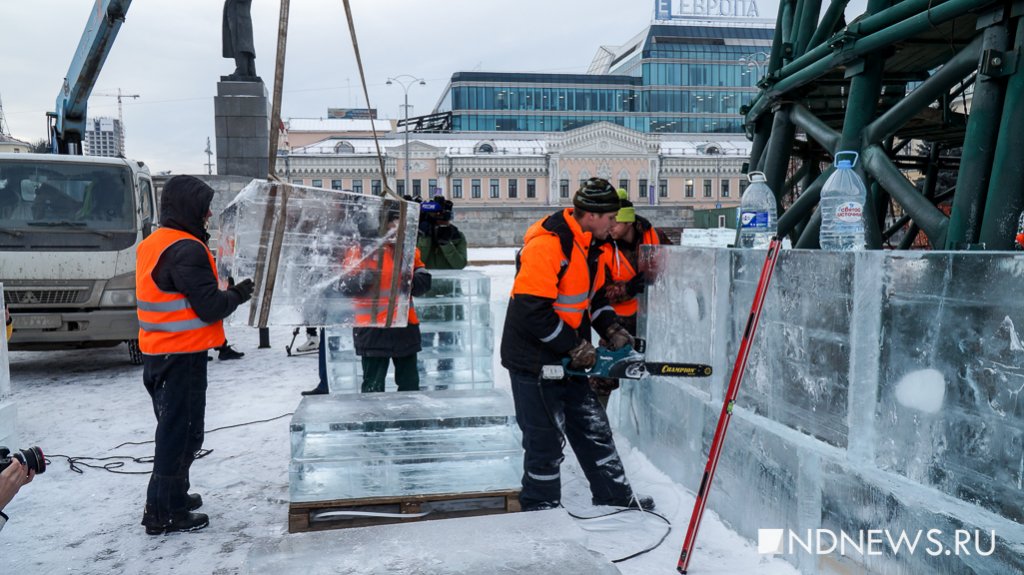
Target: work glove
(617,337)
(243,289)
(583,356)
(616,292)
(444,233)
(603,385)
(636,285)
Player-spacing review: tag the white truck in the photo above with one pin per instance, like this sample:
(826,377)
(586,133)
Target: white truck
(69,226)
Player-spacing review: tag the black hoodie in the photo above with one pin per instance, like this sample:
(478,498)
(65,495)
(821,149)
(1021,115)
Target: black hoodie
(184,267)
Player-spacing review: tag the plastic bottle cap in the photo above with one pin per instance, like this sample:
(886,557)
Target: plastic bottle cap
(844,164)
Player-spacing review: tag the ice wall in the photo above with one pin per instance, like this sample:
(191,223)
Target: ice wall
(317,257)
(8,413)
(882,392)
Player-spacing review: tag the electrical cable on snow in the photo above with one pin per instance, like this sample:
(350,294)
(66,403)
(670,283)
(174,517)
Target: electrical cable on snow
(623,510)
(116,462)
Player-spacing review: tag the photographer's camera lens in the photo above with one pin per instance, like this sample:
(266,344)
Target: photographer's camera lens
(32,458)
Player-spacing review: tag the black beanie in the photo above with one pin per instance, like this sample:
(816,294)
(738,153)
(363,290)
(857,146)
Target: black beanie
(596,195)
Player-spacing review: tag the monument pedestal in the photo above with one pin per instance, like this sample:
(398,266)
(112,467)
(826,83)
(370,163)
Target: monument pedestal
(242,124)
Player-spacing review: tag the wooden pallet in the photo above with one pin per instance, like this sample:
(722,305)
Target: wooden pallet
(312,516)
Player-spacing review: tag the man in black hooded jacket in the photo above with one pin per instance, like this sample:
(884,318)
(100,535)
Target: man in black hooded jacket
(180,309)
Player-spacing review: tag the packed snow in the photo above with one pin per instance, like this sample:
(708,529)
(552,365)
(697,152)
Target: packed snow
(91,404)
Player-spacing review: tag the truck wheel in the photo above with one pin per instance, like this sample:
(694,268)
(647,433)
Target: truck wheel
(134,353)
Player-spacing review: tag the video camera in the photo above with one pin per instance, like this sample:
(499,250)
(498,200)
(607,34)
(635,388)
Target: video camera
(31,458)
(437,209)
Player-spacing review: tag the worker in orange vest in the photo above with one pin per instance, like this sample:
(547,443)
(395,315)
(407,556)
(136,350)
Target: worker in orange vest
(378,346)
(620,256)
(556,299)
(180,308)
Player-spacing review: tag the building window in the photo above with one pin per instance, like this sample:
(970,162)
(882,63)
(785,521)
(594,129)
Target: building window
(707,188)
(721,221)
(432,187)
(513,189)
(662,188)
(336,184)
(725,188)
(643,188)
(318,183)
(375,187)
(743,185)
(475,188)
(563,188)
(457,189)
(531,188)
(401,187)
(624,185)
(495,189)
(417,188)
(357,186)
(689,188)
(296,182)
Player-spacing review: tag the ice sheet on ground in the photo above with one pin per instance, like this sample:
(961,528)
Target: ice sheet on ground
(317,257)
(545,542)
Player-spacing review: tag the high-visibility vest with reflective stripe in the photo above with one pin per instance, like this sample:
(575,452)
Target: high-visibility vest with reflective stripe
(623,270)
(572,288)
(364,305)
(167,323)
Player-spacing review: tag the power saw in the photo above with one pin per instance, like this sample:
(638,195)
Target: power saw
(627,363)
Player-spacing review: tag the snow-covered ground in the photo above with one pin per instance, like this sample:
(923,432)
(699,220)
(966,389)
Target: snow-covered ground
(87,403)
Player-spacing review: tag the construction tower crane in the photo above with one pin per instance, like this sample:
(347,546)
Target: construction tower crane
(120,110)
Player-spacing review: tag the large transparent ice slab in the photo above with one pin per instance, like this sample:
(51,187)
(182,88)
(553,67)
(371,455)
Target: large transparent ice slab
(882,392)
(396,444)
(318,257)
(456,337)
(8,413)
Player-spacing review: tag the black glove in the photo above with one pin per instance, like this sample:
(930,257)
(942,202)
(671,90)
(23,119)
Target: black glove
(444,233)
(583,356)
(617,337)
(243,289)
(636,285)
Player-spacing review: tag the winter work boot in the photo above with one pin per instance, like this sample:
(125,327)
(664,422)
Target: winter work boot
(542,506)
(226,353)
(644,502)
(311,344)
(193,501)
(186,522)
(318,390)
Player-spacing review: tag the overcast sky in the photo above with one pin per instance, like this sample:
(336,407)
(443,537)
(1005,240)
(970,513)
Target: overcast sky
(169,52)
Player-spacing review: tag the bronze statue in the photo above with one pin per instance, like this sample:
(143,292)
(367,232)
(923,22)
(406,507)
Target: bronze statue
(238,43)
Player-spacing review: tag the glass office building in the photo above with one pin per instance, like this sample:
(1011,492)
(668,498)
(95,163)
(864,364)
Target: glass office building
(678,76)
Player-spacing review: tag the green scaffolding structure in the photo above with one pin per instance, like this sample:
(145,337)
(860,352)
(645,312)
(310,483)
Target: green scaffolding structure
(944,75)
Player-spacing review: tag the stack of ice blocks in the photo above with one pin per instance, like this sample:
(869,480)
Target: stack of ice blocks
(457,338)
(316,256)
(374,445)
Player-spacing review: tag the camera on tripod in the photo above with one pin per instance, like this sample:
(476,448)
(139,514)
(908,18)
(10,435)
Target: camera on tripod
(32,458)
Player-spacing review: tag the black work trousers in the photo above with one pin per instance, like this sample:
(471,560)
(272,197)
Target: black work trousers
(548,412)
(177,385)
(375,372)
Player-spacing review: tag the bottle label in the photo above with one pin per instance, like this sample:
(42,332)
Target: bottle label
(754,220)
(850,212)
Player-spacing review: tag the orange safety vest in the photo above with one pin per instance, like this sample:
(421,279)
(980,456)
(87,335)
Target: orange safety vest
(364,305)
(167,323)
(623,270)
(550,275)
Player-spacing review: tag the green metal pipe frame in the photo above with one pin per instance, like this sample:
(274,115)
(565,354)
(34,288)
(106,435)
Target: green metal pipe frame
(827,26)
(1006,189)
(809,14)
(776,156)
(804,205)
(976,162)
(787,80)
(814,128)
(926,216)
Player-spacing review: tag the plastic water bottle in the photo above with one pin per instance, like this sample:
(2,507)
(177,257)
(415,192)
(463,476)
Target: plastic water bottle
(842,207)
(758,218)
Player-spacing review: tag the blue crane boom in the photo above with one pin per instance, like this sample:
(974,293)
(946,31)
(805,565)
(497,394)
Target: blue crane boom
(67,122)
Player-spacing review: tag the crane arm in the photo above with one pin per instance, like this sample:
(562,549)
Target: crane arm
(67,122)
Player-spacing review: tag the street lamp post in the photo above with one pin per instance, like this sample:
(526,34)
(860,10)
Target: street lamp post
(406,81)
(758,60)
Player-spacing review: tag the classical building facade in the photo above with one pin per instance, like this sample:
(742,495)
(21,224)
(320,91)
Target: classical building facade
(700,172)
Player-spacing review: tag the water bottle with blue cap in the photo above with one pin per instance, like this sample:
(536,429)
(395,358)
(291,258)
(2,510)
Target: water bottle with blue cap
(758,216)
(842,204)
